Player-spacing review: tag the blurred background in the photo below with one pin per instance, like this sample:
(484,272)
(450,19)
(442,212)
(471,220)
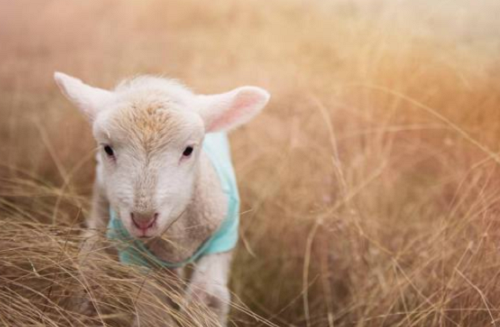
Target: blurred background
(369,183)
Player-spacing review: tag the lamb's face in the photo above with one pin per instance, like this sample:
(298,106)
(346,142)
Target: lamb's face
(150,132)
(148,154)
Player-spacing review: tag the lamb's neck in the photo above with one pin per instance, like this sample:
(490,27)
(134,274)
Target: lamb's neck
(203,216)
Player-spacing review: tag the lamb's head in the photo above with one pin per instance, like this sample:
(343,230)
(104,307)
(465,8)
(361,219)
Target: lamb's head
(149,133)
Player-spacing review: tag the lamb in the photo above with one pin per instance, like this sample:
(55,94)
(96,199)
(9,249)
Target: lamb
(164,178)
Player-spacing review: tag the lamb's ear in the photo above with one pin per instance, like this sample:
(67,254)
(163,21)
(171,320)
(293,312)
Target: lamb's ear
(87,98)
(229,110)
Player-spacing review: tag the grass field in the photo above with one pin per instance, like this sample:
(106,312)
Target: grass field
(369,183)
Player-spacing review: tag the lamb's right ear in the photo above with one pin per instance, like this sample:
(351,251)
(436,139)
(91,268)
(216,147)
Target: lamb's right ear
(87,98)
(222,112)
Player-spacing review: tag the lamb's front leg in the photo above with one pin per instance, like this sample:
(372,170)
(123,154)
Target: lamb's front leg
(208,286)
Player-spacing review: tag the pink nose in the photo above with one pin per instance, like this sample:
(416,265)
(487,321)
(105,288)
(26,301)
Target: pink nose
(143,221)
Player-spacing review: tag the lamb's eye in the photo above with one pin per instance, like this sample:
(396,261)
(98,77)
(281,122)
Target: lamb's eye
(187,151)
(109,150)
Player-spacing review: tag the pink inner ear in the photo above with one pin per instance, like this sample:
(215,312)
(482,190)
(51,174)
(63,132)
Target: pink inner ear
(239,108)
(244,99)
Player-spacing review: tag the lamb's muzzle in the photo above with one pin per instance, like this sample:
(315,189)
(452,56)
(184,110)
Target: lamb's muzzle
(143,221)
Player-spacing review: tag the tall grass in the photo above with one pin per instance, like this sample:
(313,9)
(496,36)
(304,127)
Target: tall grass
(369,183)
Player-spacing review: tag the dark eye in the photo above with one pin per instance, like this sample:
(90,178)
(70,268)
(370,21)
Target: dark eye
(187,151)
(109,150)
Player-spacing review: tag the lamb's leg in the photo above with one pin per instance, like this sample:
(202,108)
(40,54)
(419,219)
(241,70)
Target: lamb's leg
(96,226)
(208,285)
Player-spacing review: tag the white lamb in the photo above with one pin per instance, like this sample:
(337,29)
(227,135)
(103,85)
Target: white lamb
(165,184)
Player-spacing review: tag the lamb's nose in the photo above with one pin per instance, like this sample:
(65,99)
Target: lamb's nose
(143,220)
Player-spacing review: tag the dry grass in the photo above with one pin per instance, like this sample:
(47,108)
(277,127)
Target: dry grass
(368,184)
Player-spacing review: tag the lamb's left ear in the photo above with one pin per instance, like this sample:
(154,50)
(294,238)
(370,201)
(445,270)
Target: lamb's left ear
(229,110)
(87,98)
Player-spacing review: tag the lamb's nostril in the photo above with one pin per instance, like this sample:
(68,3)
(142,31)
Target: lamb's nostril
(143,221)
